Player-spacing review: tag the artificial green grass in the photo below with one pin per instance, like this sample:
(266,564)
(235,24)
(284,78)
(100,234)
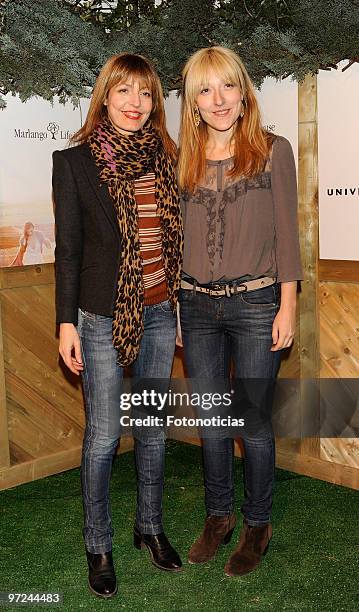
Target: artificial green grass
(312,562)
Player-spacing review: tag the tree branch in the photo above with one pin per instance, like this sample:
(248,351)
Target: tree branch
(354,60)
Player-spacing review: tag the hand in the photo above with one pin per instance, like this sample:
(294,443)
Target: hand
(283,328)
(179,330)
(69,348)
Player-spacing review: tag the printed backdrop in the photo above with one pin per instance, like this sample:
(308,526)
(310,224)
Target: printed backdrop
(338,152)
(31,131)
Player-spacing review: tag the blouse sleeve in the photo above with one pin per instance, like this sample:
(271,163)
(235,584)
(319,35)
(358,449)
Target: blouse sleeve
(284,190)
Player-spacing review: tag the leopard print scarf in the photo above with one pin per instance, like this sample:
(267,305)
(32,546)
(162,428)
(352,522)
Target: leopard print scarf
(121,159)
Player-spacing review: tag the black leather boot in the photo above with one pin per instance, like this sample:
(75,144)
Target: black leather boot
(102,577)
(162,554)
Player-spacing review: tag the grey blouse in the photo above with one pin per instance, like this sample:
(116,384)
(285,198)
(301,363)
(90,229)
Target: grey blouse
(244,228)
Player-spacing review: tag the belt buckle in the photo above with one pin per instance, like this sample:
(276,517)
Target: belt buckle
(215,288)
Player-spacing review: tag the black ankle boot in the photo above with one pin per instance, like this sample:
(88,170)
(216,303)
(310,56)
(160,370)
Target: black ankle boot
(102,577)
(162,554)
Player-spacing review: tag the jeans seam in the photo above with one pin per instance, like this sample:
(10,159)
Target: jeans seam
(89,439)
(150,492)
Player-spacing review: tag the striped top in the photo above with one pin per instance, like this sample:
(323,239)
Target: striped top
(150,234)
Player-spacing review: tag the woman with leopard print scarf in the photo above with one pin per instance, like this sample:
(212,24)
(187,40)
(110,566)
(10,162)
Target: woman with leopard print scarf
(118,262)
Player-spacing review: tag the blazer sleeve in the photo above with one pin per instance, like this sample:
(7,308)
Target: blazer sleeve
(69,239)
(285,202)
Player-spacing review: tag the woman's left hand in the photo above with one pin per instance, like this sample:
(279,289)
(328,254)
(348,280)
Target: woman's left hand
(283,329)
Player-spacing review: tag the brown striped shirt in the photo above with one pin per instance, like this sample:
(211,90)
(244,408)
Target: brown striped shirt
(150,233)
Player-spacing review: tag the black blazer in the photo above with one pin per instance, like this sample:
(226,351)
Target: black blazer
(88,244)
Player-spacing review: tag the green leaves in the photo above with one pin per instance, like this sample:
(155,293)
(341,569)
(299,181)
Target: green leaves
(46,50)
(57,47)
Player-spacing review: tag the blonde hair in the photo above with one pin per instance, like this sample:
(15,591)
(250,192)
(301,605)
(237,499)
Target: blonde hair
(251,142)
(119,68)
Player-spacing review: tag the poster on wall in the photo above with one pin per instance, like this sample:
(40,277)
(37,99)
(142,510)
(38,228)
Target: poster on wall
(338,152)
(30,132)
(278,101)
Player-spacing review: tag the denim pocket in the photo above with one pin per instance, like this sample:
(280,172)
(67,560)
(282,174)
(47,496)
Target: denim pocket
(87,315)
(91,316)
(267,297)
(164,306)
(185,295)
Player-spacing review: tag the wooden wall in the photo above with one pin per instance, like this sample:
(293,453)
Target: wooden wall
(41,410)
(339,344)
(328,332)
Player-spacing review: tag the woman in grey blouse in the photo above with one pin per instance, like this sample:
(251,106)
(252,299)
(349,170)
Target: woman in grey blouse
(238,296)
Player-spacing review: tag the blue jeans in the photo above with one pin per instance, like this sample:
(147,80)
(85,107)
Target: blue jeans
(217,332)
(103,385)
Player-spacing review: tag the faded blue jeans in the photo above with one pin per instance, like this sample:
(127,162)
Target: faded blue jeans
(217,332)
(103,384)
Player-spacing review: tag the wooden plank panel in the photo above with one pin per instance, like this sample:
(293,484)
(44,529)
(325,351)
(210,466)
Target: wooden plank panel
(49,385)
(339,342)
(18,454)
(341,270)
(43,416)
(46,466)
(317,468)
(178,369)
(339,330)
(24,276)
(4,438)
(290,368)
(290,362)
(27,317)
(45,409)
(37,442)
(343,451)
(308,224)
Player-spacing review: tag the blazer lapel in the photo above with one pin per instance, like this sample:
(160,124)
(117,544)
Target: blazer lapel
(100,189)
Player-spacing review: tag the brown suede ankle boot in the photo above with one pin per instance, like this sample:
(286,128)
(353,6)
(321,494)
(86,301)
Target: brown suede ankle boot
(252,546)
(217,530)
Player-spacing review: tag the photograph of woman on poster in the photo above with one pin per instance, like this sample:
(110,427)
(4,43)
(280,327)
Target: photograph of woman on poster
(118,263)
(31,246)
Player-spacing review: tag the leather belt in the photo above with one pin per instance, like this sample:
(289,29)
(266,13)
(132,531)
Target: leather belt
(218,290)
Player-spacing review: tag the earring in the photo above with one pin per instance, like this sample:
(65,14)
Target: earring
(197,116)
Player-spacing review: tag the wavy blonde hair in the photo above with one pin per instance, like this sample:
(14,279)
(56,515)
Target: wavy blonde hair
(251,142)
(119,68)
